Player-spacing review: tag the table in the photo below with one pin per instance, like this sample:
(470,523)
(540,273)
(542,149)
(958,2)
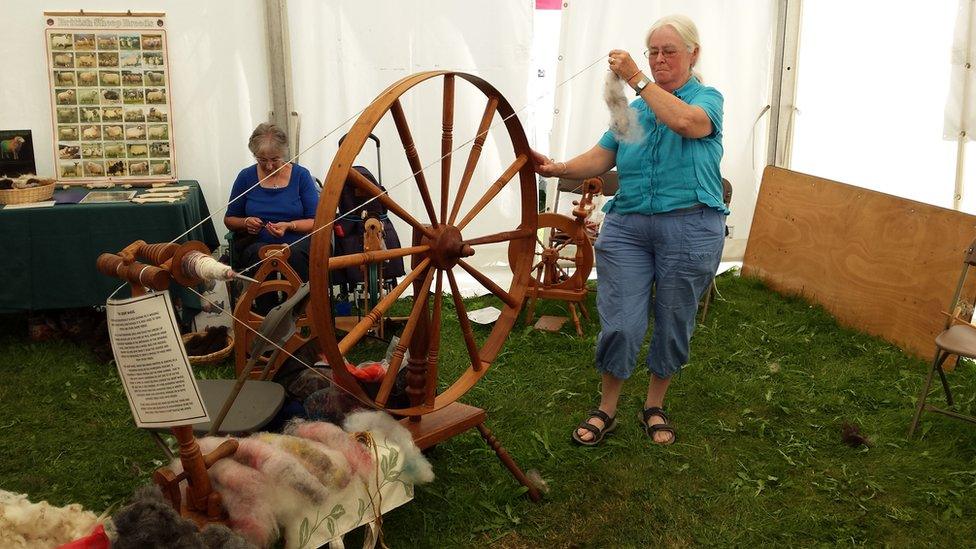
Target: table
(48,261)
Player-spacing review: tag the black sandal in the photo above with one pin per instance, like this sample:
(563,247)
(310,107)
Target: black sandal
(649,430)
(609,424)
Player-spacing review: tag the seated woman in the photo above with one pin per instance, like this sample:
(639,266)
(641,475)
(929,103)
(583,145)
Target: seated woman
(273,201)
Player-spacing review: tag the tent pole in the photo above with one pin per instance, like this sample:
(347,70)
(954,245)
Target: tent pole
(964,112)
(279,68)
(783,94)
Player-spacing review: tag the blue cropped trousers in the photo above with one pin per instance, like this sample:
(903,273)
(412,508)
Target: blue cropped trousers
(662,262)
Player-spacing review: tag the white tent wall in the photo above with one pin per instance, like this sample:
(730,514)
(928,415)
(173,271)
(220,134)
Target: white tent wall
(218,73)
(736,41)
(345,53)
(871,98)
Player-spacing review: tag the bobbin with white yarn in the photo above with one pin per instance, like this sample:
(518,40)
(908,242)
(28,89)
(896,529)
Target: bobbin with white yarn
(202,266)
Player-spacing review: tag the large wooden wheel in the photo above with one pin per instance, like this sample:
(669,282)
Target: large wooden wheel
(442,242)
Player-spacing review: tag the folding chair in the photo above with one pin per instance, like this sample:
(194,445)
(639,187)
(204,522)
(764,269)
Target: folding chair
(955,339)
(713,288)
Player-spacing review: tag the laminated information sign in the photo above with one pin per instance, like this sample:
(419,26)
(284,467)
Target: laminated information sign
(152,362)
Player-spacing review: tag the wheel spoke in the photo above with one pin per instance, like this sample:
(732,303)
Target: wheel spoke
(375,315)
(419,308)
(492,191)
(540,274)
(473,156)
(447,142)
(435,342)
(413,158)
(574,259)
(563,245)
(500,237)
(356,260)
(367,186)
(489,284)
(465,323)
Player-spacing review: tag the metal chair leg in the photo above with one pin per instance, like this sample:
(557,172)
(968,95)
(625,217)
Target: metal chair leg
(162,445)
(937,361)
(709,295)
(945,385)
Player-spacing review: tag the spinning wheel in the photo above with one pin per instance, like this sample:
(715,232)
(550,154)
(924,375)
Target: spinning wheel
(275,263)
(563,257)
(564,260)
(440,246)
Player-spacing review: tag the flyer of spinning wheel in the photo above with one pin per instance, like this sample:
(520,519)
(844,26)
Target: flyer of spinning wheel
(110,97)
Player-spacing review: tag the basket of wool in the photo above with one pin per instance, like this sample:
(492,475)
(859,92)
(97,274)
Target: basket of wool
(25,189)
(209,347)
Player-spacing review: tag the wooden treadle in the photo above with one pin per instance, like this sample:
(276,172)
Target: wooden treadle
(443,424)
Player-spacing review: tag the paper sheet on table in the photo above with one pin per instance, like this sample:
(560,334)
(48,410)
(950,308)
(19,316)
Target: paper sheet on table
(24,205)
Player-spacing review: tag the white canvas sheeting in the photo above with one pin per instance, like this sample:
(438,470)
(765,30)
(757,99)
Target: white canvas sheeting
(345,53)
(865,115)
(962,87)
(736,41)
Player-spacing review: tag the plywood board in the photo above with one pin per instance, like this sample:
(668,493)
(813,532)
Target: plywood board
(879,263)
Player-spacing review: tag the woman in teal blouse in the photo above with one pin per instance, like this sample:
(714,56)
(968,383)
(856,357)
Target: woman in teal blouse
(665,228)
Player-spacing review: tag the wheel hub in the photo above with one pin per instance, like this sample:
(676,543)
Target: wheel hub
(448,247)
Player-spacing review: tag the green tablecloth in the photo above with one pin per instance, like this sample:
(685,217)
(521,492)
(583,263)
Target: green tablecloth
(49,253)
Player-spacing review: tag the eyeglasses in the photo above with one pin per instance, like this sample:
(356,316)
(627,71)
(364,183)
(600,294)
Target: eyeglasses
(275,160)
(668,53)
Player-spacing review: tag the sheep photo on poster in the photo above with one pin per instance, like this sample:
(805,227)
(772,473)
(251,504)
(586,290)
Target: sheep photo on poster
(110,98)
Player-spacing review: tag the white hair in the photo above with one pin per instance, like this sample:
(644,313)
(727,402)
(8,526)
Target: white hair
(686,30)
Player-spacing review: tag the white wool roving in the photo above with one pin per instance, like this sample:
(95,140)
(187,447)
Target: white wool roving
(623,119)
(416,468)
(41,525)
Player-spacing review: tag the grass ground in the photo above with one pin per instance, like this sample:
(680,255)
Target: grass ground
(758,458)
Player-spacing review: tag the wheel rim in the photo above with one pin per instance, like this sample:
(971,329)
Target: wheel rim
(437,250)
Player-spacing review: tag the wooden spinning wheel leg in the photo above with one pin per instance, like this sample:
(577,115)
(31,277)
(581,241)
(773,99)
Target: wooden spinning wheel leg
(530,310)
(576,320)
(509,463)
(532,296)
(583,309)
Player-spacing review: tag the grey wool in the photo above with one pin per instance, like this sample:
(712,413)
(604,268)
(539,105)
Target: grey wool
(623,119)
(150,522)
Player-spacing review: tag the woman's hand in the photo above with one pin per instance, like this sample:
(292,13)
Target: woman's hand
(253,225)
(278,229)
(546,167)
(622,64)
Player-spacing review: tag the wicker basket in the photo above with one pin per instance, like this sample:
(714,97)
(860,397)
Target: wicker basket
(32,194)
(212,357)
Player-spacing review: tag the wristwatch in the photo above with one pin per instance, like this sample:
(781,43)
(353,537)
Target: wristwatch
(641,84)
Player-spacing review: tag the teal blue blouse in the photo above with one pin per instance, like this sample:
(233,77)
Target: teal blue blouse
(664,171)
